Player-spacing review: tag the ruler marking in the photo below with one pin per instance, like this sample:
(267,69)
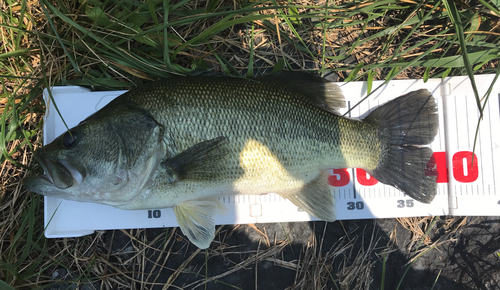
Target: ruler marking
(456,121)
(349,107)
(481,149)
(491,147)
(354,182)
(352,170)
(442,139)
(468,129)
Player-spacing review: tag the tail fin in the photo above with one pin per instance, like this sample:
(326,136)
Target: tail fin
(403,125)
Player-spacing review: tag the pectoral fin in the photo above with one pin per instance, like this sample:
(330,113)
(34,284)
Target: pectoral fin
(196,220)
(202,161)
(315,198)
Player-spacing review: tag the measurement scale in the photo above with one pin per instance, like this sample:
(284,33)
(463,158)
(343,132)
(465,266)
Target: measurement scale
(465,180)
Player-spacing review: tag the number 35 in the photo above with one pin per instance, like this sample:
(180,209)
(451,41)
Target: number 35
(405,203)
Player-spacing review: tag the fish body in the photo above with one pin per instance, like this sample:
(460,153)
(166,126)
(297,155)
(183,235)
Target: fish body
(186,141)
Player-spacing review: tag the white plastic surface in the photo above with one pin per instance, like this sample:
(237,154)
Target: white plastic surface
(354,200)
(473,181)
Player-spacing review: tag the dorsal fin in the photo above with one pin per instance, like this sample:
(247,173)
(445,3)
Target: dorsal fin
(317,90)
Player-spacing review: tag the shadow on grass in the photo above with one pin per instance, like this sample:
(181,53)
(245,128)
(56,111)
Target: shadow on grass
(306,255)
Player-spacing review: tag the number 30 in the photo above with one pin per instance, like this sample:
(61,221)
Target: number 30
(358,205)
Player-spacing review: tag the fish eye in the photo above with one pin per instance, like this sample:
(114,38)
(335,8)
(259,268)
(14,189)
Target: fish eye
(69,139)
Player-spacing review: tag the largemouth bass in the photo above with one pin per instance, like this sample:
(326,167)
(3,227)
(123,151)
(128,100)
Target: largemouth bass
(187,141)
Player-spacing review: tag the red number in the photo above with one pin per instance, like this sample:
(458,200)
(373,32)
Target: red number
(339,178)
(364,178)
(471,169)
(437,167)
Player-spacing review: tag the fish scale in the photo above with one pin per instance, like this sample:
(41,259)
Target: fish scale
(274,115)
(272,132)
(186,141)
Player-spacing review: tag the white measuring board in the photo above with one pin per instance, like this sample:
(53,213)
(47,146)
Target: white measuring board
(460,191)
(473,178)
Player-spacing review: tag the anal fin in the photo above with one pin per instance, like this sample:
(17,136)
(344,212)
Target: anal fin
(196,220)
(315,198)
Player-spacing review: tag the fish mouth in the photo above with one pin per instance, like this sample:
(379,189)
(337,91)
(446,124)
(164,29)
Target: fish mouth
(59,173)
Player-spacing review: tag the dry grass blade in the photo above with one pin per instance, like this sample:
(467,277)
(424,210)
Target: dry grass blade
(122,44)
(414,225)
(253,259)
(180,269)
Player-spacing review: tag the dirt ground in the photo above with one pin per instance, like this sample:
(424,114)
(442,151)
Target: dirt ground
(457,253)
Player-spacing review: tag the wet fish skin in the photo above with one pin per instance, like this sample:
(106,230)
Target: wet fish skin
(186,141)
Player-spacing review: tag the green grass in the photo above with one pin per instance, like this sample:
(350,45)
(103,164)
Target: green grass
(111,45)
(22,245)
(119,45)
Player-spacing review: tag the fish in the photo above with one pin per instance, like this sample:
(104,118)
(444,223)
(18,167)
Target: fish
(184,142)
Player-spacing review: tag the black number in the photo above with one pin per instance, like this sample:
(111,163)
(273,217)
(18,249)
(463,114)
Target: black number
(405,203)
(154,213)
(358,205)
